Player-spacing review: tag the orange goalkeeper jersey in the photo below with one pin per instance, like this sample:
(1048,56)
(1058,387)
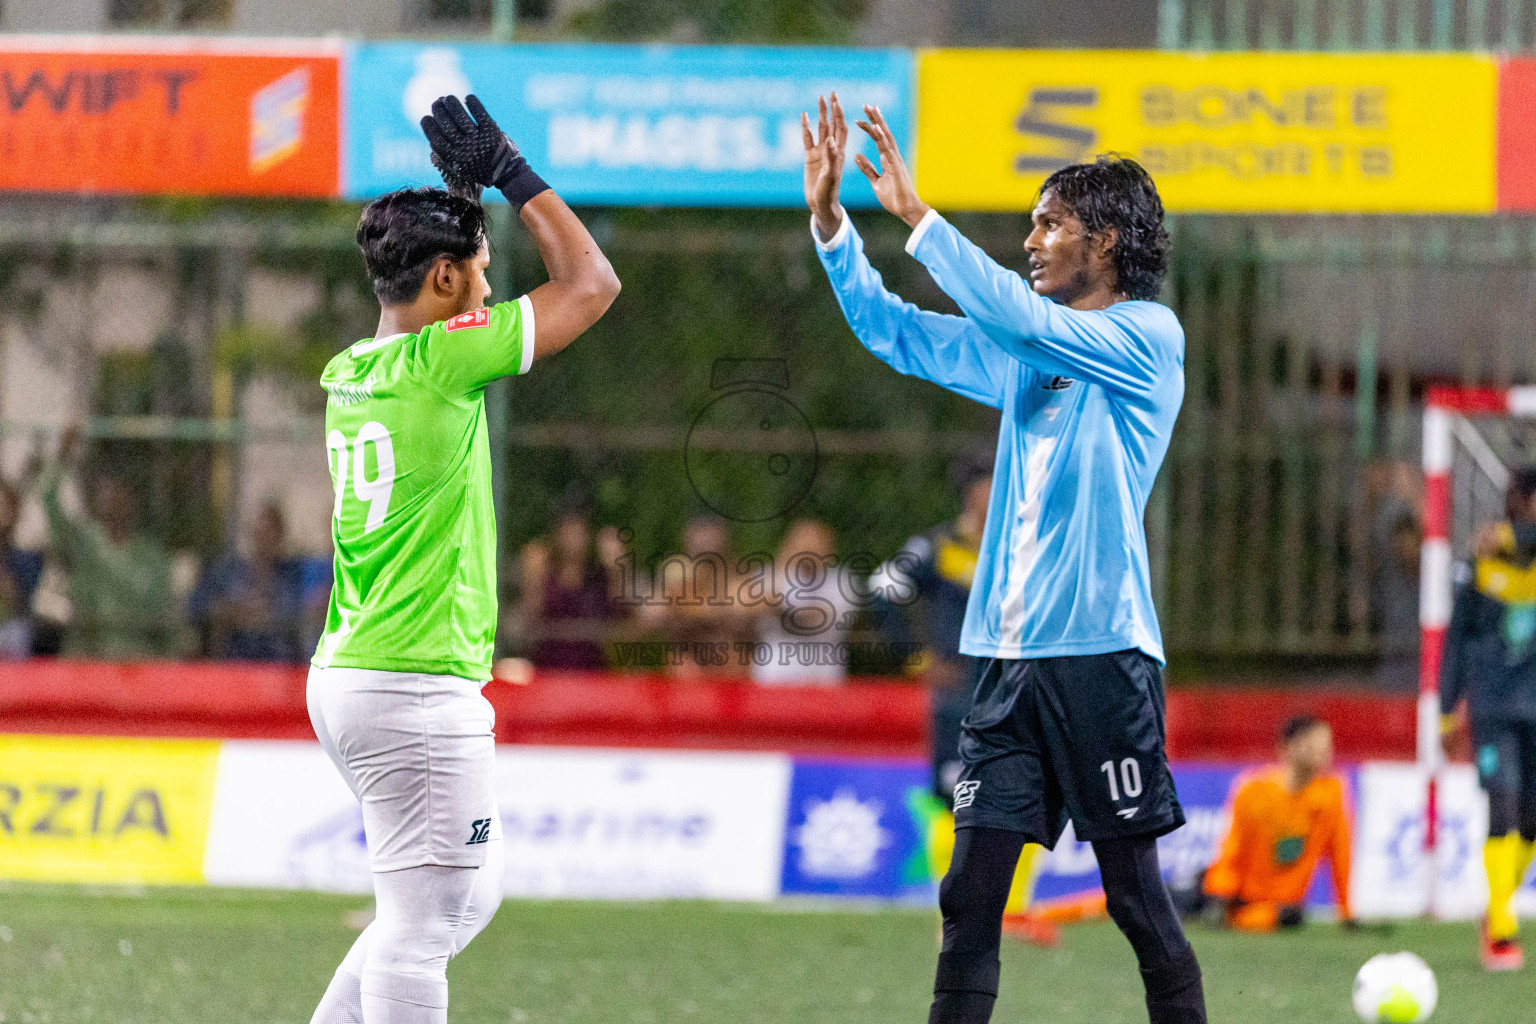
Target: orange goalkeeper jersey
(1274,843)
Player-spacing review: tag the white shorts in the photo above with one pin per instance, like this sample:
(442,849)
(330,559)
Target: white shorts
(419,753)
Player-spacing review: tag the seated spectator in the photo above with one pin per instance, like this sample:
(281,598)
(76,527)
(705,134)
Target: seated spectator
(694,603)
(1284,820)
(1396,543)
(565,601)
(119,589)
(804,633)
(250,608)
(19,574)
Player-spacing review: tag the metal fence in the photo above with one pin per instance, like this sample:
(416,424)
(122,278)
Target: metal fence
(1279,515)
(1508,25)
(1291,478)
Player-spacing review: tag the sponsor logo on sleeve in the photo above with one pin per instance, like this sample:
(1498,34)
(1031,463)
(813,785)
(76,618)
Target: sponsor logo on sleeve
(965,793)
(466,321)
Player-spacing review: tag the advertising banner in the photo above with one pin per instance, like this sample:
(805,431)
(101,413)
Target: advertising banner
(1517,134)
(91,809)
(1071,870)
(1250,132)
(624,125)
(871,829)
(641,824)
(588,824)
(151,116)
(859,828)
(1390,875)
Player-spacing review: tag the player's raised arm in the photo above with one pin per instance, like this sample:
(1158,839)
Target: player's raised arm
(581,285)
(948,350)
(1058,323)
(473,152)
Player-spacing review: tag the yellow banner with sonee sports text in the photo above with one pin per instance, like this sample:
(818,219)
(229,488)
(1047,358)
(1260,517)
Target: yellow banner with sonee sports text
(96,809)
(1237,132)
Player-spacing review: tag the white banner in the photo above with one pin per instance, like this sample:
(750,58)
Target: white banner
(643,824)
(578,823)
(1390,871)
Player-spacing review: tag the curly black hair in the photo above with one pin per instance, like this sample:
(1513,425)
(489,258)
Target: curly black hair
(1117,192)
(402,233)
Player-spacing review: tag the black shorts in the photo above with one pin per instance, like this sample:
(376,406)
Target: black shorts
(1056,738)
(1505,755)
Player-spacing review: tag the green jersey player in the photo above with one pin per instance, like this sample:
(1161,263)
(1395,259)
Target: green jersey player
(394,690)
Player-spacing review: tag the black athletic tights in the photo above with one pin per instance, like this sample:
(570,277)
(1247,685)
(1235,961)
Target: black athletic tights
(975,891)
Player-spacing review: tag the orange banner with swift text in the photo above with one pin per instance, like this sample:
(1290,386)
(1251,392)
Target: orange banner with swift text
(160,117)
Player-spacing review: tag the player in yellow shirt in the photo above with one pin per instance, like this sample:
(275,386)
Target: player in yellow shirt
(1488,681)
(1284,820)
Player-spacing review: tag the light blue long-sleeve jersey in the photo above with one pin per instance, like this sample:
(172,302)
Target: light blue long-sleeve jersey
(1088,402)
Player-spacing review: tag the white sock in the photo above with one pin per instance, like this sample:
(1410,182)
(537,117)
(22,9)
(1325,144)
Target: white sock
(343,999)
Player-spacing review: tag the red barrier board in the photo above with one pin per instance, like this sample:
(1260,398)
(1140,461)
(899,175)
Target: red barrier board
(152,116)
(872,718)
(1516,135)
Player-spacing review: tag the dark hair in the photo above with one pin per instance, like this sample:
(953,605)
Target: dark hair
(1117,192)
(403,233)
(968,469)
(1299,725)
(1522,484)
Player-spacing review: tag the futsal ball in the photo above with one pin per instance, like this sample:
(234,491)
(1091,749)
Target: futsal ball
(1395,988)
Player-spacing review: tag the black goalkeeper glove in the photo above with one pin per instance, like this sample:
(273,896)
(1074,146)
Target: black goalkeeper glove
(472,152)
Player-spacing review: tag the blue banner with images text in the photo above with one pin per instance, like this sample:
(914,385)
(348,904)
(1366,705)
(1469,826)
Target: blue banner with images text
(625,125)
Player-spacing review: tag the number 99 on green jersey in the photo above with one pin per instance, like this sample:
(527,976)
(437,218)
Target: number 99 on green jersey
(413,523)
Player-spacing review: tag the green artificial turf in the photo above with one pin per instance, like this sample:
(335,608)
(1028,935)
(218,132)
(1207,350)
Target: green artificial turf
(171,956)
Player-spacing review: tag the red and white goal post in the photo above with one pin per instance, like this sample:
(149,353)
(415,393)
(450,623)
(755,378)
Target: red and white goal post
(1466,470)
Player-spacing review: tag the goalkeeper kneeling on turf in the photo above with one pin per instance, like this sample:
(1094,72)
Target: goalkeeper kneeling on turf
(1284,820)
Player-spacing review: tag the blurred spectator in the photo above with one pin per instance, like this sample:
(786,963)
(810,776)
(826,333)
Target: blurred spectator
(940,565)
(804,633)
(19,575)
(696,606)
(317,574)
(565,600)
(1396,539)
(1283,821)
(250,607)
(119,584)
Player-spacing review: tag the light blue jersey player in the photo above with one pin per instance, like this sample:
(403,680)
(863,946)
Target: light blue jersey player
(1088,373)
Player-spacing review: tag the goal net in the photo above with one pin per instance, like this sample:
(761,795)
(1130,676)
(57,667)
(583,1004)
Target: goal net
(1473,438)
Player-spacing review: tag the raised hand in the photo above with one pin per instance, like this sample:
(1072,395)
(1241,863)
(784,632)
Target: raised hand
(892,181)
(468,147)
(825,156)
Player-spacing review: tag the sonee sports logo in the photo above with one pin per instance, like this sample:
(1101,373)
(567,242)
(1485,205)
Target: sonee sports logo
(479,831)
(965,793)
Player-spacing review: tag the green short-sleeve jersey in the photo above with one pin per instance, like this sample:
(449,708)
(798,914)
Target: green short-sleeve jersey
(414,525)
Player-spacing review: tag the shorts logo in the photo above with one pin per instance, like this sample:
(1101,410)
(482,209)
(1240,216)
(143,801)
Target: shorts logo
(1128,813)
(464,321)
(479,831)
(1057,383)
(965,793)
